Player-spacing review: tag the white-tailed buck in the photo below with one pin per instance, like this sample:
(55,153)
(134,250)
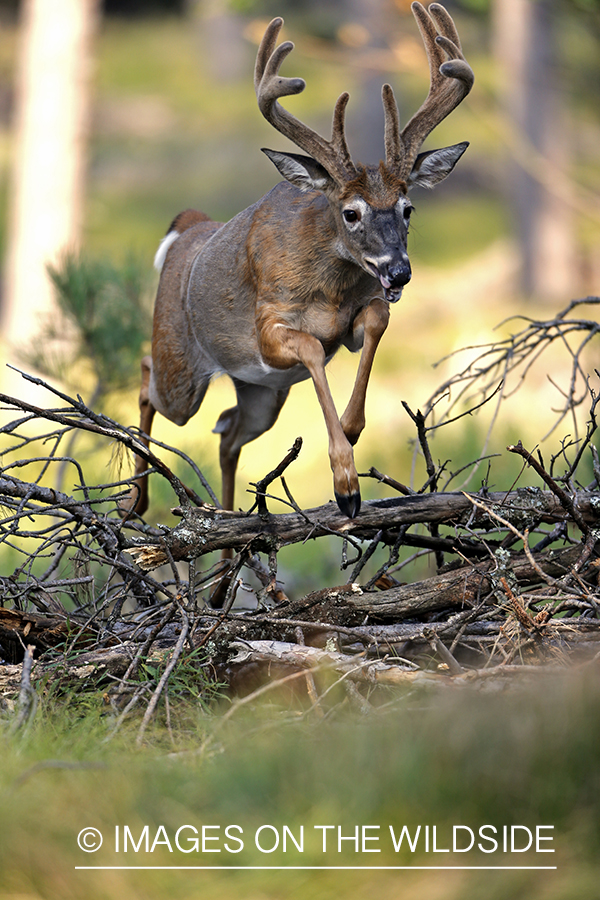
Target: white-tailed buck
(271,296)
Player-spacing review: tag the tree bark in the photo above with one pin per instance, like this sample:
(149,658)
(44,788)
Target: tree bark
(202,531)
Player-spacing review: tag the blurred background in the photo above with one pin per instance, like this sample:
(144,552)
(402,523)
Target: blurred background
(116,115)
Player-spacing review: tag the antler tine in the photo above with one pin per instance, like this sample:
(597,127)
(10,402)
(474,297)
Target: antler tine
(338,134)
(451,79)
(265,49)
(445,23)
(270,86)
(394,148)
(268,62)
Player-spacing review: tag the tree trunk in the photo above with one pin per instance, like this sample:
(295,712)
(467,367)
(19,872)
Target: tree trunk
(49,159)
(525,49)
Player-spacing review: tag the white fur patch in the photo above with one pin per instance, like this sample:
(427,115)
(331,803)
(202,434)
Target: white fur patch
(163,247)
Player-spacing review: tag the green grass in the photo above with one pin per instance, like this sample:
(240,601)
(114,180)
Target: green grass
(521,756)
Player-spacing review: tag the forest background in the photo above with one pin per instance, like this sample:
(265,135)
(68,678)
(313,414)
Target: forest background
(167,119)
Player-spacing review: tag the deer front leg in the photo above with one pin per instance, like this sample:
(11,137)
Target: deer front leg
(368,329)
(284,347)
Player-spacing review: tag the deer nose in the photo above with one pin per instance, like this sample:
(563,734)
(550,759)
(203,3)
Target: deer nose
(399,273)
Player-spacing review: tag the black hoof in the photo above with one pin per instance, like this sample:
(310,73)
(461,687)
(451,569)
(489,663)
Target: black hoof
(348,504)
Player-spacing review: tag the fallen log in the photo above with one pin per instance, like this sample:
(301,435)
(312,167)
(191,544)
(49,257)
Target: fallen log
(458,588)
(372,672)
(353,667)
(19,628)
(203,530)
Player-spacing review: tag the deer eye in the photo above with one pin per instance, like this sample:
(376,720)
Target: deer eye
(407,211)
(351,215)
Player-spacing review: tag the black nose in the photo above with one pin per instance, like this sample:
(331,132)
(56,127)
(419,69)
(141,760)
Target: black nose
(399,274)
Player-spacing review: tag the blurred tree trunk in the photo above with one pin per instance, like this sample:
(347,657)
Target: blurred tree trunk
(365,125)
(221,39)
(526,52)
(51,127)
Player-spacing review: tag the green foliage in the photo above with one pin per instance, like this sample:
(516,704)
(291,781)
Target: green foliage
(477,6)
(107,317)
(189,683)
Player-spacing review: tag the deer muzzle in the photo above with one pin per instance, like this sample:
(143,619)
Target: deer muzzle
(394,277)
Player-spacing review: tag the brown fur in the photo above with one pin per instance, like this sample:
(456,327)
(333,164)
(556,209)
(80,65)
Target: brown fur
(270,296)
(186,219)
(380,187)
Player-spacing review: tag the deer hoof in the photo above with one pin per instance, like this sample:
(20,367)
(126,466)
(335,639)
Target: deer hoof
(349,504)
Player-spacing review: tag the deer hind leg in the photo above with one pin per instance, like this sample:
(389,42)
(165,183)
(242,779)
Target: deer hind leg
(256,411)
(137,501)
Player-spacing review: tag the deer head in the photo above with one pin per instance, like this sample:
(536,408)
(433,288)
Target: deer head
(370,204)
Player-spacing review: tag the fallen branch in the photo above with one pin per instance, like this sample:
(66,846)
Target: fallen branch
(298,656)
(563,498)
(163,680)
(373,672)
(203,531)
(458,588)
(522,584)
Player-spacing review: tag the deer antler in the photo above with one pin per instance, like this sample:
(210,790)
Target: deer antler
(333,155)
(451,80)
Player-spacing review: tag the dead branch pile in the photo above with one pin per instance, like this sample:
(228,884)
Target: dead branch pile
(92,596)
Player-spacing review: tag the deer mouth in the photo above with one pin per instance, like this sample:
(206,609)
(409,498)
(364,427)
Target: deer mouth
(391,294)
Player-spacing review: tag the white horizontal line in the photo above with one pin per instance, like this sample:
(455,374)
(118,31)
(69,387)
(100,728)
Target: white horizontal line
(337,868)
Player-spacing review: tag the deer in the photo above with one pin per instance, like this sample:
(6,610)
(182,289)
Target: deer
(271,296)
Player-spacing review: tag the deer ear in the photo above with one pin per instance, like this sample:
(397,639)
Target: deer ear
(433,166)
(302,171)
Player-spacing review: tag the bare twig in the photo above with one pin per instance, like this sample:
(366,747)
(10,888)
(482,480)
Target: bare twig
(562,495)
(27,704)
(262,485)
(177,651)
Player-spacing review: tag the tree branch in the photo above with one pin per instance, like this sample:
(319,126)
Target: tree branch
(202,531)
